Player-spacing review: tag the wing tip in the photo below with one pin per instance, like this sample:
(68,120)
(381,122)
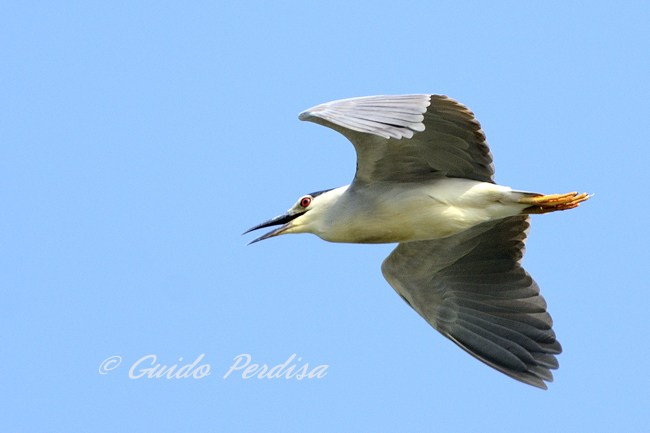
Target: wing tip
(353,114)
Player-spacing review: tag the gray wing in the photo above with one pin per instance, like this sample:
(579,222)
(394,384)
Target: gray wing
(471,287)
(409,138)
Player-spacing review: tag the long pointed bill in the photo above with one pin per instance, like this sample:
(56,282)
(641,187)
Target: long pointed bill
(282,219)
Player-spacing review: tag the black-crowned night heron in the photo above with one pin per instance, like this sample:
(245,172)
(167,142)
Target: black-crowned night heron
(425,179)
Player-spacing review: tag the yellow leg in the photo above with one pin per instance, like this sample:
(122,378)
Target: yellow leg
(551,203)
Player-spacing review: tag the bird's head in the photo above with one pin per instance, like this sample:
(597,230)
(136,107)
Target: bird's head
(301,218)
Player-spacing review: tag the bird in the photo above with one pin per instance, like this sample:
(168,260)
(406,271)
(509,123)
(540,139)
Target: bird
(425,180)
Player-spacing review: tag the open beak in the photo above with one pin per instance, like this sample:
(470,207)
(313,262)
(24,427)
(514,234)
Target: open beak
(284,219)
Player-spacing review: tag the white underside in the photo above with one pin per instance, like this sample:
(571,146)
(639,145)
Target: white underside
(388,212)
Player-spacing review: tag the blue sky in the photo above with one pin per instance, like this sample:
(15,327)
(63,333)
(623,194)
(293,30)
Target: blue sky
(138,140)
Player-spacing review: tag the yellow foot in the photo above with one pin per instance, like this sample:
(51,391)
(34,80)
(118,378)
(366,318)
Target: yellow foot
(551,203)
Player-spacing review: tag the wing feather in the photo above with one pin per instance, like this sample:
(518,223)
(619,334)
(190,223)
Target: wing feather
(471,287)
(409,138)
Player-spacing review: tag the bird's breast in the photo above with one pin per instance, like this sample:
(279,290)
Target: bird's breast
(381,213)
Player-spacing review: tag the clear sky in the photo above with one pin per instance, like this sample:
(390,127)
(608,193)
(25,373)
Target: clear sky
(138,140)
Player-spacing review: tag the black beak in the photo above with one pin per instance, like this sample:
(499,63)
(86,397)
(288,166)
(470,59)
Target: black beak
(282,219)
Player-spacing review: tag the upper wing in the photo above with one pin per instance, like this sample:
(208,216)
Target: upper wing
(409,138)
(472,288)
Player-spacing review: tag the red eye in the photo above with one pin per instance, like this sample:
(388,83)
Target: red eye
(305,202)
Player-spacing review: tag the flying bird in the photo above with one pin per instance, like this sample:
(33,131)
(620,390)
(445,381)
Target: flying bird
(425,180)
